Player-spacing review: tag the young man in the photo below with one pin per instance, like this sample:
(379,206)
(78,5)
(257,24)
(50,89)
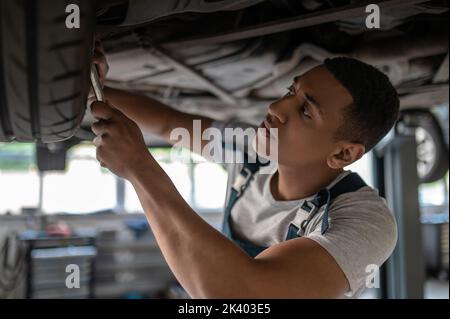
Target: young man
(309,230)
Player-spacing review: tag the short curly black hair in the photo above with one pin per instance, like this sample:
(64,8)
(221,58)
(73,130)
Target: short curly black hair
(375,106)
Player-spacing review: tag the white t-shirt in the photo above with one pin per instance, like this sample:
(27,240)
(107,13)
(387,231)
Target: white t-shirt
(362,230)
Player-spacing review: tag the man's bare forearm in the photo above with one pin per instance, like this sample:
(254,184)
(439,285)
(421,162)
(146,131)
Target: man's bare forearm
(207,264)
(151,115)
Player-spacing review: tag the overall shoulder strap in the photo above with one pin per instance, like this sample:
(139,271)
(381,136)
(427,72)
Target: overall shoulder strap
(249,169)
(350,183)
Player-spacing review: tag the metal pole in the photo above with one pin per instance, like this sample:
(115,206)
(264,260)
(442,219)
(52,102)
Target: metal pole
(378,181)
(41,191)
(406,268)
(120,194)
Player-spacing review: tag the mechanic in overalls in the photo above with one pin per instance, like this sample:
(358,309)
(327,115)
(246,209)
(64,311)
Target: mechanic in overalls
(311,229)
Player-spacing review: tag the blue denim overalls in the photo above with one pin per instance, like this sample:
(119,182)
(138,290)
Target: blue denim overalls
(350,183)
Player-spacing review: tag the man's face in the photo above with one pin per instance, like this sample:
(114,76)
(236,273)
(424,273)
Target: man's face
(307,118)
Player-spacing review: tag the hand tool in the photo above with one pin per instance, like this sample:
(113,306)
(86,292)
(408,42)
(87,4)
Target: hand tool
(96,86)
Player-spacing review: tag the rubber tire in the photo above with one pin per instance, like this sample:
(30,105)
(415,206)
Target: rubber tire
(44,65)
(428,122)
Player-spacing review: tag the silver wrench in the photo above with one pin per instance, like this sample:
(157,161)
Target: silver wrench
(97,87)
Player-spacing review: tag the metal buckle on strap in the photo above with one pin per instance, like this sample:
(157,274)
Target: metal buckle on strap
(292,228)
(242,180)
(300,230)
(312,210)
(308,207)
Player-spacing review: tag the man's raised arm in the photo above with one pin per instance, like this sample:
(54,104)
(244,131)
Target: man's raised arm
(153,116)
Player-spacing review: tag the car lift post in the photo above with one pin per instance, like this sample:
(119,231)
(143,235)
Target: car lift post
(403,275)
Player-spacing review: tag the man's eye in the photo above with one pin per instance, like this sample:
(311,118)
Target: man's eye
(290,91)
(305,111)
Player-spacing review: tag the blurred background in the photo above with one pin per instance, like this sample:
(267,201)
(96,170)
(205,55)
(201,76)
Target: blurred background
(227,59)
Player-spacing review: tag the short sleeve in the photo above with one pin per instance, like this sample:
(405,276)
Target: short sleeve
(362,233)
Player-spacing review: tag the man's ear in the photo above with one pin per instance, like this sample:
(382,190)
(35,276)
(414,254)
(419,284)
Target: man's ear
(345,154)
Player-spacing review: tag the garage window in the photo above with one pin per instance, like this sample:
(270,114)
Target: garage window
(82,188)
(86,187)
(192,175)
(19,179)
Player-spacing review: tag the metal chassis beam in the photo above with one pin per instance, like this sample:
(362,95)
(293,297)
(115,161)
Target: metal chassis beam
(297,22)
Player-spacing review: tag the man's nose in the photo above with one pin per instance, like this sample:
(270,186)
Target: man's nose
(277,112)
